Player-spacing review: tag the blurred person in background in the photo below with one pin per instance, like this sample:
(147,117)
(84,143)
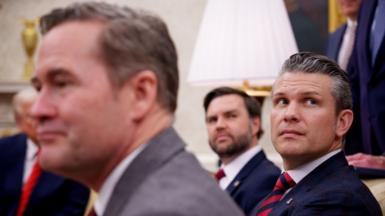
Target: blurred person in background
(233,121)
(25,189)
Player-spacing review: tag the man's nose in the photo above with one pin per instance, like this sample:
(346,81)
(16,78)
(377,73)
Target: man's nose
(42,107)
(221,123)
(292,112)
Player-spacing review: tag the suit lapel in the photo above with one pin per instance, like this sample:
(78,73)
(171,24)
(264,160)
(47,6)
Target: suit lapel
(159,150)
(338,41)
(364,29)
(13,181)
(245,172)
(47,184)
(310,181)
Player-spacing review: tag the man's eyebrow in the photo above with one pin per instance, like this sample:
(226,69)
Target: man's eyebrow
(310,93)
(56,72)
(277,94)
(225,112)
(306,93)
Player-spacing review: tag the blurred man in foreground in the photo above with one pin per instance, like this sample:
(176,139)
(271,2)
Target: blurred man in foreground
(108,79)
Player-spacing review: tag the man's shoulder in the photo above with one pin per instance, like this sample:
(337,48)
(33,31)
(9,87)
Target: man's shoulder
(181,187)
(259,169)
(340,191)
(339,31)
(254,181)
(13,147)
(164,179)
(11,140)
(62,195)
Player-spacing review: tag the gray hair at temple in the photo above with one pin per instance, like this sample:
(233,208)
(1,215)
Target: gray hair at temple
(131,41)
(306,62)
(21,98)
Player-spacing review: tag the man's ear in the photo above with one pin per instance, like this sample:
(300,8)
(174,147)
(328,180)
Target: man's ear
(142,89)
(344,121)
(255,125)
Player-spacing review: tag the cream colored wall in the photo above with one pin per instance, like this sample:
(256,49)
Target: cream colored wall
(183,18)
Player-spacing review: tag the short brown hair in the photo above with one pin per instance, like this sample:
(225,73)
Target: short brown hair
(131,41)
(251,104)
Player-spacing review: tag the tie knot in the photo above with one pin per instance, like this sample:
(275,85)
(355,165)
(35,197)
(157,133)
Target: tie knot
(284,182)
(220,174)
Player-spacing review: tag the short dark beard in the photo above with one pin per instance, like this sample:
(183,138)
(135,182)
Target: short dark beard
(240,145)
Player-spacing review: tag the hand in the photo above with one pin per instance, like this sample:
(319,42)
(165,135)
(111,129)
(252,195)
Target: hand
(367,161)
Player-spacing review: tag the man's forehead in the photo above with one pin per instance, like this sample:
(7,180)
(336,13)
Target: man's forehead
(291,82)
(226,103)
(66,44)
(69,34)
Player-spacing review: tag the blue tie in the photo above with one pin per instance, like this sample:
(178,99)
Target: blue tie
(378,29)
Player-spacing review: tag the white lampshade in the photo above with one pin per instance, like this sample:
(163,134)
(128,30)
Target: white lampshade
(242,40)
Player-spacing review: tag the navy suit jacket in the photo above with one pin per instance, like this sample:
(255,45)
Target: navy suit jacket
(52,196)
(334,42)
(368,84)
(255,180)
(333,188)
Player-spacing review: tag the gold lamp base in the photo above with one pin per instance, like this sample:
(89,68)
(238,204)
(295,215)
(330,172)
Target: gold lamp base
(256,91)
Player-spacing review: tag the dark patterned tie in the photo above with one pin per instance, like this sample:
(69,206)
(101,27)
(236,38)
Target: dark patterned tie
(283,183)
(219,174)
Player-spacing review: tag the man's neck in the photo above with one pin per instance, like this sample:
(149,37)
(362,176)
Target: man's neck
(141,132)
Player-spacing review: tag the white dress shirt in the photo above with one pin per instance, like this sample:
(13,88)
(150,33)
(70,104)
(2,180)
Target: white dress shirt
(232,169)
(347,44)
(109,185)
(30,159)
(299,173)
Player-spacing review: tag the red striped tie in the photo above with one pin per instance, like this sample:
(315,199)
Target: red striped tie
(92,212)
(283,183)
(28,187)
(219,174)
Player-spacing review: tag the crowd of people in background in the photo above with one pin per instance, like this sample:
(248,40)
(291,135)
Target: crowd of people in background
(113,133)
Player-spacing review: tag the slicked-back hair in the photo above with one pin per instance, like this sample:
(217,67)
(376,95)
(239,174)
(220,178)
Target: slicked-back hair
(307,62)
(131,41)
(251,104)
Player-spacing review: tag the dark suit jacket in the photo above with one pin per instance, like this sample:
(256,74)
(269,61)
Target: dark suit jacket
(53,195)
(334,42)
(165,180)
(333,188)
(255,180)
(368,89)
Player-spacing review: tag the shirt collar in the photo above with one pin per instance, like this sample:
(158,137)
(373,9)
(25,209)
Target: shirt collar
(232,169)
(108,186)
(298,174)
(351,23)
(31,150)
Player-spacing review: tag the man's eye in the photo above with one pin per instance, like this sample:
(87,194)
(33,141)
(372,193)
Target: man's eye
(211,120)
(310,101)
(281,101)
(231,115)
(61,83)
(37,87)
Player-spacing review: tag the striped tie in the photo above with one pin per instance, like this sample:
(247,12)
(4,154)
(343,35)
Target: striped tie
(92,212)
(283,183)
